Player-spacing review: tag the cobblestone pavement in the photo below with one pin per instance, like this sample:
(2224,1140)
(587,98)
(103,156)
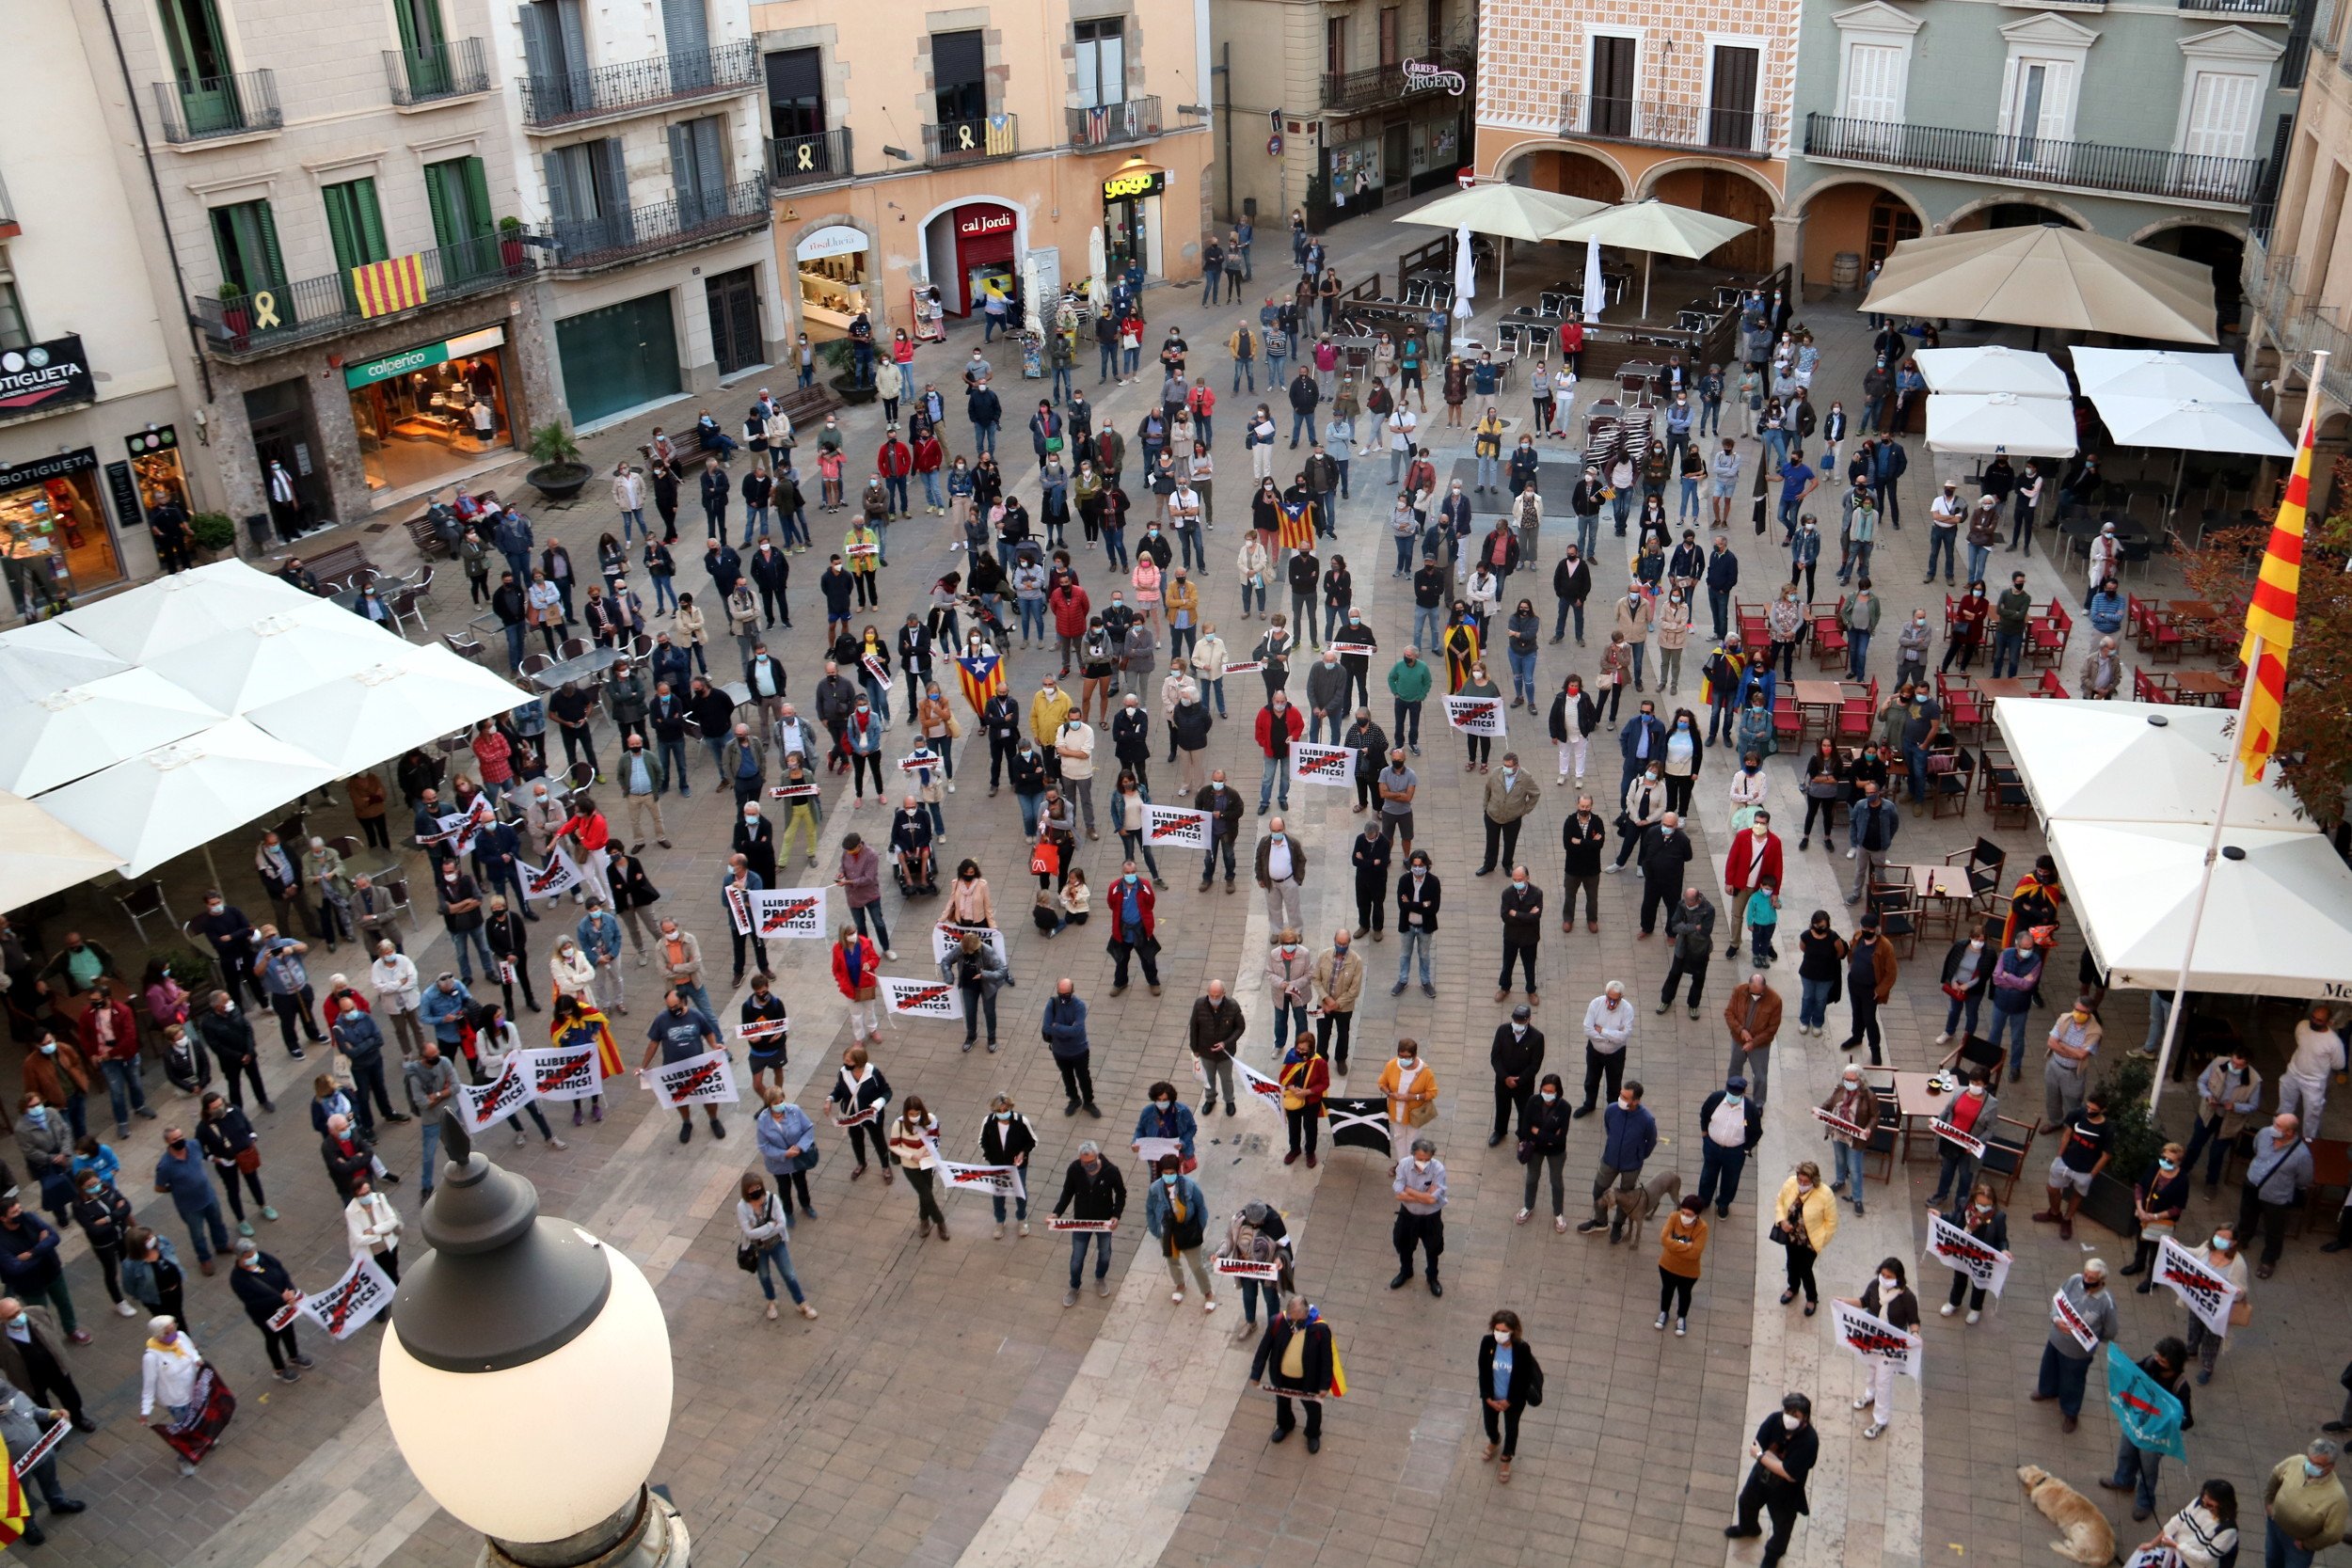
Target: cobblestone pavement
(947,1409)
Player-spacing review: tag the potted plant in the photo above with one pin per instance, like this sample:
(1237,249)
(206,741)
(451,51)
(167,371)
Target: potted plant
(510,243)
(212,532)
(841,359)
(560,473)
(234,314)
(2133,1141)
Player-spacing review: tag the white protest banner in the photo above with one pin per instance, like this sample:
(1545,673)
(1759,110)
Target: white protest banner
(507,972)
(1258,1087)
(792,911)
(2063,1314)
(563,1072)
(2157,1556)
(874,666)
(922,759)
(483,1105)
(1057,1222)
(1873,1338)
(766,1029)
(459,829)
(1175,827)
(792,792)
(1245,667)
(1322,764)
(1347,650)
(1986,1267)
(947,936)
(1249,1268)
(560,875)
(996,1180)
(1476,715)
(1150,1151)
(1837,1123)
(921,998)
(2206,1293)
(285,1315)
(705,1080)
(344,1308)
(48,1445)
(1972,1146)
(738,907)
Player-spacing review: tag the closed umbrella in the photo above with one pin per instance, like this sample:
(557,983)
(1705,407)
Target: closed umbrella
(1465,273)
(1991,368)
(356,721)
(2159,373)
(1505,212)
(2048,276)
(1097,288)
(180,797)
(46,655)
(40,855)
(62,735)
(1596,286)
(1983,423)
(1654,227)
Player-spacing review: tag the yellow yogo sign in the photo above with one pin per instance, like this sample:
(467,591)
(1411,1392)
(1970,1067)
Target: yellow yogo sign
(1131,183)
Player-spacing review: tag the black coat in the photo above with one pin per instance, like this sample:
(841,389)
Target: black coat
(262,1291)
(1663,857)
(1315,1363)
(1527,1377)
(1583,843)
(1546,1127)
(1100,1196)
(1371,857)
(1755,1117)
(1522,914)
(1797,1452)
(1520,1057)
(1418,913)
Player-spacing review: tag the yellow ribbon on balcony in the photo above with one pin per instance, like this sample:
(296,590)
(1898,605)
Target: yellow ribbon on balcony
(264,309)
(804,156)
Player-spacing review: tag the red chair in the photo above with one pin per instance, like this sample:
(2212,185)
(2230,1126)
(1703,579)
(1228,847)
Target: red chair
(2136,616)
(2050,686)
(1853,717)
(1829,641)
(1787,719)
(2046,636)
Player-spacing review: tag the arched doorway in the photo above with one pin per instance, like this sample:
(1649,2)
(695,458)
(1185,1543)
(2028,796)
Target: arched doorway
(1729,193)
(1857,220)
(2218,249)
(1567,172)
(2012,214)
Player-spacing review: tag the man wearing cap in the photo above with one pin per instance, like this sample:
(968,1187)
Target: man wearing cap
(1516,1057)
(1731,1123)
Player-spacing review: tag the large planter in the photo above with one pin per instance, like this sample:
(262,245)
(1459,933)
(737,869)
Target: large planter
(2109,1204)
(846,388)
(559,481)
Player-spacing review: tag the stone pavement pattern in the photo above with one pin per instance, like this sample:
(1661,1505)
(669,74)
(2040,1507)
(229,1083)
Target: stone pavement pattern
(946,1410)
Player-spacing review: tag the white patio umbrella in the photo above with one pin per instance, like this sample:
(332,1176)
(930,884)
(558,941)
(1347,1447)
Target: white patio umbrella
(45,656)
(251,663)
(1987,422)
(2190,424)
(181,797)
(161,617)
(1506,212)
(2159,373)
(1655,229)
(2135,762)
(40,855)
(60,736)
(1991,368)
(356,720)
(2277,920)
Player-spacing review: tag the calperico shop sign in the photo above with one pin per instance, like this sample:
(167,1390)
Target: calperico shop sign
(374,370)
(46,375)
(1131,183)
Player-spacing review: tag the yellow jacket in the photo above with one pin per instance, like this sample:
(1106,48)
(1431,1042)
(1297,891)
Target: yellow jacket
(1181,593)
(1046,712)
(1820,1211)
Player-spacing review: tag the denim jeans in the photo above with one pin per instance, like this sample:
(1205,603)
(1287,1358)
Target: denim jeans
(1408,732)
(1847,1165)
(1277,770)
(1079,1240)
(469,944)
(1943,541)
(634,517)
(1857,653)
(664,593)
(1021,1208)
(1302,418)
(1214,689)
(1409,943)
(1813,1003)
(1488,470)
(205,1228)
(755,522)
(1587,535)
(777,1257)
(432,1129)
(1032,617)
(1244,371)
(895,487)
(1428,627)
(122,1082)
(2008,648)
(1979,556)
(984,437)
(2014,1025)
(930,489)
(2279,1548)
(1190,550)
(1523,675)
(1958,1010)
(1109,366)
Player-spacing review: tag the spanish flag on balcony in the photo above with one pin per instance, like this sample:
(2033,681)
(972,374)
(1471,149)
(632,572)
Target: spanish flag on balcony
(383,287)
(2270,615)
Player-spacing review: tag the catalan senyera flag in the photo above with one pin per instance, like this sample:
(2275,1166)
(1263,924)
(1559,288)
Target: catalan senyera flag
(14,1513)
(383,287)
(981,676)
(2270,615)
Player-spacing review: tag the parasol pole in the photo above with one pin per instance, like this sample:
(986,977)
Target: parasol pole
(1648,259)
(2221,811)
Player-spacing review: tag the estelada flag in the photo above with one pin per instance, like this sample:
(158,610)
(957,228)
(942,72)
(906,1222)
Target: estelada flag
(1298,526)
(2270,615)
(14,1514)
(591,1021)
(1461,654)
(981,676)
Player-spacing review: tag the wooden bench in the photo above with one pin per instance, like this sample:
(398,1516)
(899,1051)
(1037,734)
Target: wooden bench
(333,564)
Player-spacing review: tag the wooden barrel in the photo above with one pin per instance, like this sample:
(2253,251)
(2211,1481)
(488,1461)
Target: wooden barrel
(1845,270)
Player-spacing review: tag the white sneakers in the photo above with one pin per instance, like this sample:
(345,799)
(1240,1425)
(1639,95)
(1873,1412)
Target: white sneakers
(1948,1309)
(1974,1315)
(1946,1036)
(1660,1324)
(1522,1219)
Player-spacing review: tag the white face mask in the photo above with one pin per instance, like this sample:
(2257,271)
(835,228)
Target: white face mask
(1887,1282)
(1791,1423)
(1503,1336)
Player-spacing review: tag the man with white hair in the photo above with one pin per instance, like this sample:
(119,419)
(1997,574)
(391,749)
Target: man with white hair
(1607,1029)
(2065,1364)
(2103,672)
(398,994)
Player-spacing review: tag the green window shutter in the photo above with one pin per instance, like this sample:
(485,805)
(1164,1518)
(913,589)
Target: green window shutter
(273,261)
(478,220)
(446,232)
(354,224)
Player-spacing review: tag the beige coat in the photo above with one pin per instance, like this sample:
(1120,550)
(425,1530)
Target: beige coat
(1635,620)
(1340,981)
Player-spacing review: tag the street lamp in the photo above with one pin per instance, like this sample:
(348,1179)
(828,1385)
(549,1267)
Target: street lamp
(526,1378)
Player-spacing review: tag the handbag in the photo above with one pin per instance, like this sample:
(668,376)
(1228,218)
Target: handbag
(746,1258)
(1045,860)
(249,1158)
(1527,1151)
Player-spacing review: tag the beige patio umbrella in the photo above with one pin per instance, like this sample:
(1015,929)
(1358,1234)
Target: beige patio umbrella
(40,855)
(1654,227)
(1506,212)
(2048,276)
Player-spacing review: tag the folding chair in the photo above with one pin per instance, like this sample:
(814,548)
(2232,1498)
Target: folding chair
(140,902)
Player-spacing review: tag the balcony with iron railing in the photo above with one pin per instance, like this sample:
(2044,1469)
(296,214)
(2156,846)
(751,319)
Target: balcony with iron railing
(2147,171)
(1739,132)
(635,86)
(204,108)
(1382,83)
(1112,124)
(433,72)
(971,141)
(635,234)
(815,158)
(2275,10)
(240,324)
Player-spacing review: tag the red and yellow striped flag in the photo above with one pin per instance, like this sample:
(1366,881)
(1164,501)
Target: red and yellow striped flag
(383,287)
(2270,616)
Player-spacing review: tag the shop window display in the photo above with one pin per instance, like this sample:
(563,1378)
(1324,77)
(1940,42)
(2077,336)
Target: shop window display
(417,426)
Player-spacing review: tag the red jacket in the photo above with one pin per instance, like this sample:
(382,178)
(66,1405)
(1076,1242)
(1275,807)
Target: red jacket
(928,455)
(592,830)
(126,1030)
(1115,895)
(1292,727)
(1571,337)
(855,963)
(895,461)
(1071,608)
(1736,863)
(1204,401)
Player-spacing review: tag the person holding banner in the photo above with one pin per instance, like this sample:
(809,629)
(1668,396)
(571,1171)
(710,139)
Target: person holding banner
(2203,1535)
(1889,1298)
(2222,1255)
(498,1041)
(914,1145)
(679,1032)
(372,1226)
(2082,1317)
(1986,1223)
(760,1220)
(266,1290)
(1007,1139)
(2158,1200)
(22,1427)
(1094,1196)
(2166,1368)
(1176,1214)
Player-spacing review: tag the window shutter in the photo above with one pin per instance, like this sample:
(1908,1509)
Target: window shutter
(1090,71)
(958,60)
(2220,114)
(265,224)
(1114,65)
(710,156)
(686,30)
(444,201)
(478,220)
(541,52)
(341,232)
(572,34)
(1873,71)
(2057,100)
(611,172)
(682,180)
(560,204)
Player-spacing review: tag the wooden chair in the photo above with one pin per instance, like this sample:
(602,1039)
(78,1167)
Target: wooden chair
(1788,719)
(2046,636)
(1948,787)
(2051,684)
(2006,1157)
(1855,716)
(1984,862)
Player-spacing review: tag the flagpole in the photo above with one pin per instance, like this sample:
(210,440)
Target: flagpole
(2229,786)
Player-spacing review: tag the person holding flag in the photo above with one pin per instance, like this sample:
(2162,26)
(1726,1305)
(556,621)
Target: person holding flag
(2151,1404)
(1302,1361)
(577,1021)
(981,672)
(1460,646)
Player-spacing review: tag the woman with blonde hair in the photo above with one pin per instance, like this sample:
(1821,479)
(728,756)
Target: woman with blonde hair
(915,1144)
(762,1222)
(1804,1217)
(1007,1139)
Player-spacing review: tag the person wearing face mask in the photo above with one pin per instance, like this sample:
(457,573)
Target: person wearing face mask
(1516,1056)
(1177,1216)
(2065,1363)
(1629,1137)
(1305,1077)
(2073,1045)
(1731,1124)
(167,1377)
(2158,1200)
(1215,1032)
(1509,1380)
(2304,1500)
(1888,1297)
(2229,1095)
(106,1220)
(1522,932)
(1784,1449)
(2278,1170)
(1092,1190)
(1510,796)
(264,1288)
(1805,1218)
(1420,1186)
(2222,1255)
(57,1073)
(1973,1111)
(1982,1218)
(1007,1139)
(1410,1088)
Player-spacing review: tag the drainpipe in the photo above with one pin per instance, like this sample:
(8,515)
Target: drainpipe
(155,188)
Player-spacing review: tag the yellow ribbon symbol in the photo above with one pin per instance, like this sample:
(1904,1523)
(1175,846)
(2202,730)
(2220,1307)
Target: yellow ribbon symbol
(265,308)
(807,155)
(963,137)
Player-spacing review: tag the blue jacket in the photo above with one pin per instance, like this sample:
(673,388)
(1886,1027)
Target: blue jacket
(512,535)
(444,1012)
(185,1178)
(787,1127)
(138,1275)
(1065,1028)
(1639,724)
(1158,1212)
(1626,1137)
(599,936)
(31,1234)
(1177,1123)
(356,1034)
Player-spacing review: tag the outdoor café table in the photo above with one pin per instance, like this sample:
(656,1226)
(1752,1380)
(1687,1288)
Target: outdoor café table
(586,667)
